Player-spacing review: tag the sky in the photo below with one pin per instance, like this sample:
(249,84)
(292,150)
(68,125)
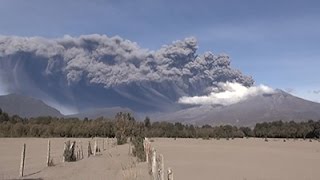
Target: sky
(276,41)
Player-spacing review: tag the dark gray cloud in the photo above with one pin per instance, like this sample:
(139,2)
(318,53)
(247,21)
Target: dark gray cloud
(114,62)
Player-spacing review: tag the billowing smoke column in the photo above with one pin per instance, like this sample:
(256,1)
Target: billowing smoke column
(3,90)
(96,70)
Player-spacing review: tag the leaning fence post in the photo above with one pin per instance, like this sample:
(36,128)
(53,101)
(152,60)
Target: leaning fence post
(23,157)
(154,164)
(102,144)
(170,174)
(48,154)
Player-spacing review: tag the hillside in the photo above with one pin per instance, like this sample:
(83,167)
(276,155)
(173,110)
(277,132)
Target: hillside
(260,108)
(23,106)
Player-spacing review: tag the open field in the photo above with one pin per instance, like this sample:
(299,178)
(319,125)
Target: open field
(113,163)
(241,159)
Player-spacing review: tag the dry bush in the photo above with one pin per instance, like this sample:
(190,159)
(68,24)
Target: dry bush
(138,148)
(68,153)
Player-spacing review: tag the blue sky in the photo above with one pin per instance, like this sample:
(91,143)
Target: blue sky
(275,41)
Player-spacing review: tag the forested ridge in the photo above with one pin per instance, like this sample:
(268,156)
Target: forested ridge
(125,124)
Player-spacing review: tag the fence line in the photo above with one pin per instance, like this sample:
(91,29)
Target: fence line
(156,162)
(55,156)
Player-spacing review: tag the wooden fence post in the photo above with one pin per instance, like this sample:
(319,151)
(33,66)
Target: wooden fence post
(102,144)
(170,174)
(48,154)
(154,164)
(23,158)
(64,150)
(89,149)
(161,167)
(148,155)
(147,149)
(77,152)
(95,147)
(81,149)
(130,149)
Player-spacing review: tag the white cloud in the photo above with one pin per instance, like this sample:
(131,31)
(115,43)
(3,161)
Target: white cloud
(226,94)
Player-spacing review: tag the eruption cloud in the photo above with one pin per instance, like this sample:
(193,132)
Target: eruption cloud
(81,71)
(226,94)
(3,88)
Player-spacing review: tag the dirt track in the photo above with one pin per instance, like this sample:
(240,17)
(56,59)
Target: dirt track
(114,163)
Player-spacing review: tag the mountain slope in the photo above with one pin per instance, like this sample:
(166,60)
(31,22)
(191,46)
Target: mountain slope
(260,108)
(23,106)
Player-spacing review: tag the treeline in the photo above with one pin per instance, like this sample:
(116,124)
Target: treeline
(279,129)
(124,126)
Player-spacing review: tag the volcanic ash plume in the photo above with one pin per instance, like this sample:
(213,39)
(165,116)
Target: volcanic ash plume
(69,68)
(3,89)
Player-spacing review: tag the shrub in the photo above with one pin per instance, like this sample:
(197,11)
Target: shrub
(68,153)
(124,127)
(206,138)
(138,149)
